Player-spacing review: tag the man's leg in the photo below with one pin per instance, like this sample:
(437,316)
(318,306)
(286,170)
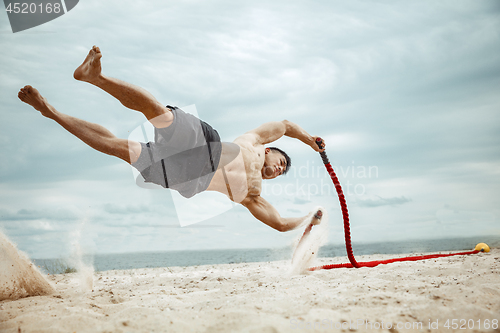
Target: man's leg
(92,134)
(133,97)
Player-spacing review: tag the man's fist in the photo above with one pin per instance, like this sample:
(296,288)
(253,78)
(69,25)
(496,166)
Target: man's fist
(318,146)
(316,219)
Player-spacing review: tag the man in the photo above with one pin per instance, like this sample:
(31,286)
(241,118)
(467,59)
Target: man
(187,154)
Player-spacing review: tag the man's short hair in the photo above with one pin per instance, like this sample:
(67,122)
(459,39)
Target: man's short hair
(285,155)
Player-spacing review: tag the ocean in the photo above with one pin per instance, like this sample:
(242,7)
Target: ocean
(121,261)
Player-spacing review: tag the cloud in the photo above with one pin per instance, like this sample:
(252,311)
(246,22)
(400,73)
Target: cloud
(35,214)
(463,217)
(408,88)
(298,201)
(114,208)
(394,201)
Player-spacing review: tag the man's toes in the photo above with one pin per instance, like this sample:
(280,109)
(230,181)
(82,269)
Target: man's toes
(97,54)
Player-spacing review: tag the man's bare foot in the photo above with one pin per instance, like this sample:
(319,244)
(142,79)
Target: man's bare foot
(90,69)
(31,96)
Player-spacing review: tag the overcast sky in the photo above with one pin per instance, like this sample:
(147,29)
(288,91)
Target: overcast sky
(406,94)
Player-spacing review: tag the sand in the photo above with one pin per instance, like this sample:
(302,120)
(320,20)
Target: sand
(258,297)
(18,276)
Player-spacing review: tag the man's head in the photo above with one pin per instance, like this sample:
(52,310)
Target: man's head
(276,163)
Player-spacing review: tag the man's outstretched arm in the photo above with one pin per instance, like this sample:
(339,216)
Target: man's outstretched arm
(272,131)
(265,212)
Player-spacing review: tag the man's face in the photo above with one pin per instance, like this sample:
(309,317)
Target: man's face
(274,164)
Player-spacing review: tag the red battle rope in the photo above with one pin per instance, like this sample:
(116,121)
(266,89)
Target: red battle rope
(347,230)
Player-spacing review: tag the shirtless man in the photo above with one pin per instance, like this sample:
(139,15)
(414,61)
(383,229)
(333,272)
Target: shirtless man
(237,168)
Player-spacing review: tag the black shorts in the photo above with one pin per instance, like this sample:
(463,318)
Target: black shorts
(184,156)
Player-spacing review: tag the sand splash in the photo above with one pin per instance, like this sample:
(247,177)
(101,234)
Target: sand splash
(19,277)
(306,248)
(84,270)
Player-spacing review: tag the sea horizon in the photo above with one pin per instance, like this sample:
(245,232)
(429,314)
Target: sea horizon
(135,260)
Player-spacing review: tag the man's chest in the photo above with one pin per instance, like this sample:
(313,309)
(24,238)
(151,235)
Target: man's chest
(253,162)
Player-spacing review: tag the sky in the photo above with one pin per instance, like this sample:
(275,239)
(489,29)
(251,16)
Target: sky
(405,94)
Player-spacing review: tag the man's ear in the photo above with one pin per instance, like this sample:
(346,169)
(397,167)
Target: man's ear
(267,150)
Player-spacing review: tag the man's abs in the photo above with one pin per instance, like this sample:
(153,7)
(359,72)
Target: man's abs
(238,178)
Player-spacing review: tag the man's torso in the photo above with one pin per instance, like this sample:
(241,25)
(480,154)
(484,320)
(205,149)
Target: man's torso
(239,177)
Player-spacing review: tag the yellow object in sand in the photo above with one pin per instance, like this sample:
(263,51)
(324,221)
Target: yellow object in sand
(482,247)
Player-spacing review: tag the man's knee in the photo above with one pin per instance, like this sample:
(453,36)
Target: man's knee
(126,150)
(160,116)
(134,150)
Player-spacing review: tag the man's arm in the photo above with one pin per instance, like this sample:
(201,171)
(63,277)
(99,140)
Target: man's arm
(265,212)
(272,131)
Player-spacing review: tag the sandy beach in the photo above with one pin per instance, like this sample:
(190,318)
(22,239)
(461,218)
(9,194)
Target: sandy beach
(423,296)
